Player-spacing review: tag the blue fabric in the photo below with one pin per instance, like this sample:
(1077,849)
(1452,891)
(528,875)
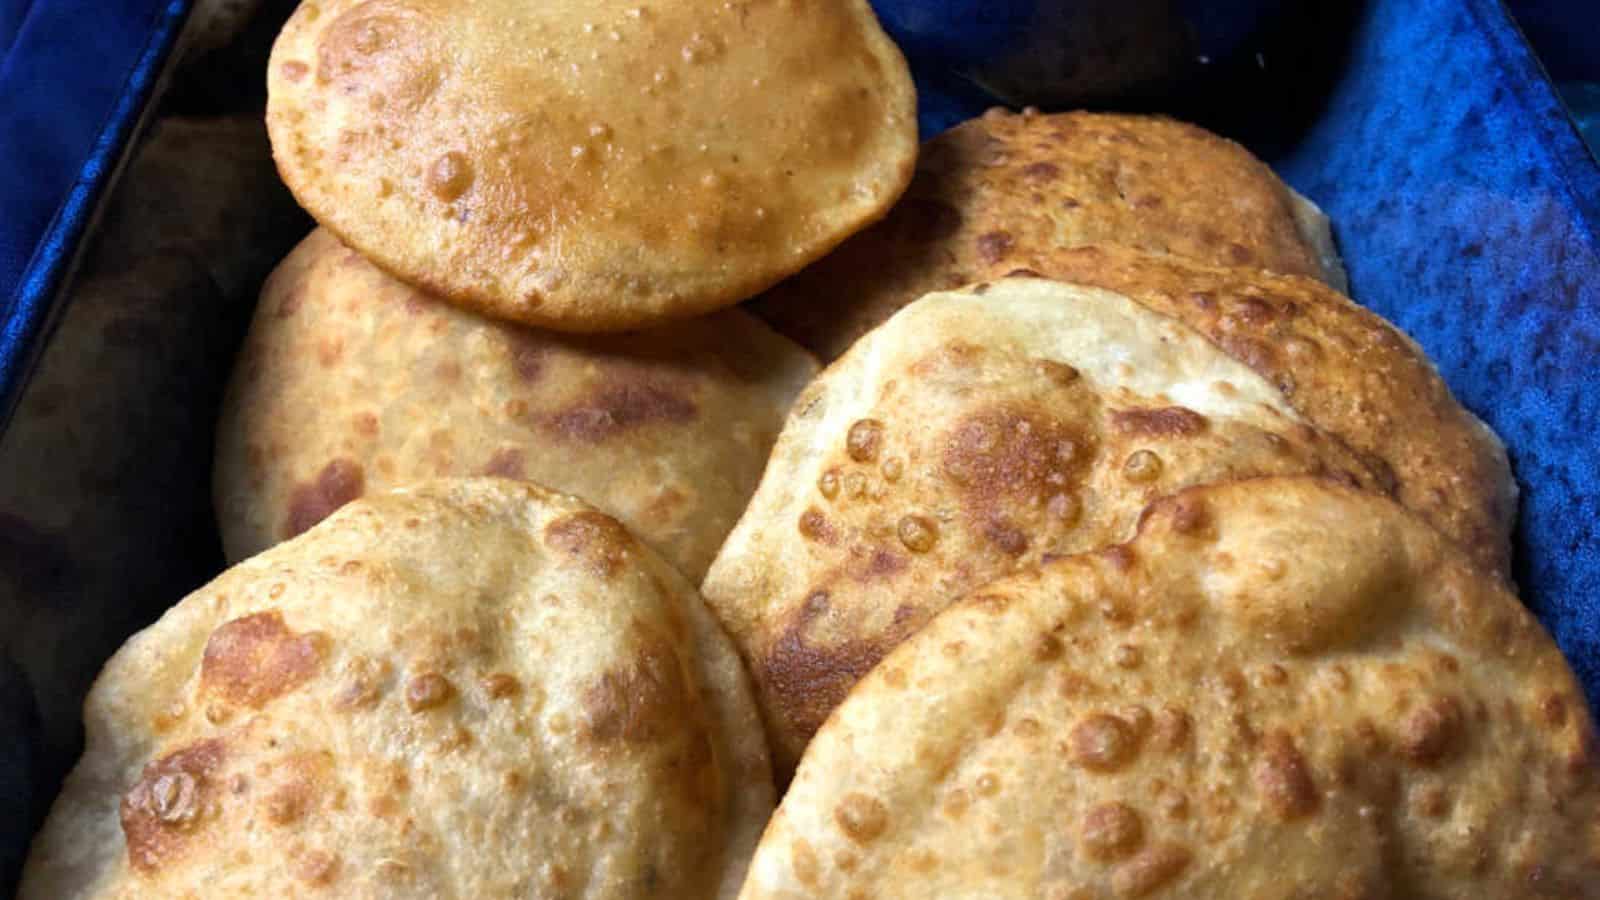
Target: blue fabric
(1468,211)
(73,82)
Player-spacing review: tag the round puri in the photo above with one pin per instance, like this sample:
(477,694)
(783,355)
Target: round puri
(972,434)
(475,688)
(1280,688)
(591,166)
(352,382)
(1005,184)
(1343,367)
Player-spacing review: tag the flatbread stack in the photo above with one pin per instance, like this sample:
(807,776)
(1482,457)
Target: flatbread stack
(1115,552)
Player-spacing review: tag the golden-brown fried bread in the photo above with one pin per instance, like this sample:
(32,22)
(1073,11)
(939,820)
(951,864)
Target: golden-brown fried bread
(1344,368)
(1006,184)
(591,166)
(352,382)
(1279,688)
(972,434)
(473,688)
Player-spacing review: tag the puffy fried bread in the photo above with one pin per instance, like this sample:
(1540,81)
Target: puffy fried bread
(473,688)
(352,382)
(973,434)
(591,166)
(1341,366)
(1281,687)
(1005,185)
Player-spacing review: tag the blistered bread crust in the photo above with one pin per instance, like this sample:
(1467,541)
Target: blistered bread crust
(1344,368)
(1280,688)
(591,166)
(1006,184)
(352,382)
(472,688)
(971,435)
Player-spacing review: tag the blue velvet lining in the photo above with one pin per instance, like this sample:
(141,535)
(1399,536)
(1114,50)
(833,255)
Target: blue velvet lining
(74,82)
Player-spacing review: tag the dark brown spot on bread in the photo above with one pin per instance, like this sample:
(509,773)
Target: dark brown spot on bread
(864,440)
(252,660)
(805,680)
(507,462)
(617,408)
(1111,831)
(1101,742)
(643,702)
(994,246)
(164,808)
(1150,870)
(428,690)
(594,538)
(527,356)
(1000,454)
(1284,779)
(814,526)
(500,685)
(1431,732)
(1553,709)
(862,818)
(1165,422)
(339,482)
(880,564)
(1042,170)
(1008,538)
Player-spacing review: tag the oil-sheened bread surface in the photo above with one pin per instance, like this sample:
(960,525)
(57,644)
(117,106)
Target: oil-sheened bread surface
(972,434)
(473,688)
(591,166)
(1341,366)
(1006,184)
(1280,688)
(352,382)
